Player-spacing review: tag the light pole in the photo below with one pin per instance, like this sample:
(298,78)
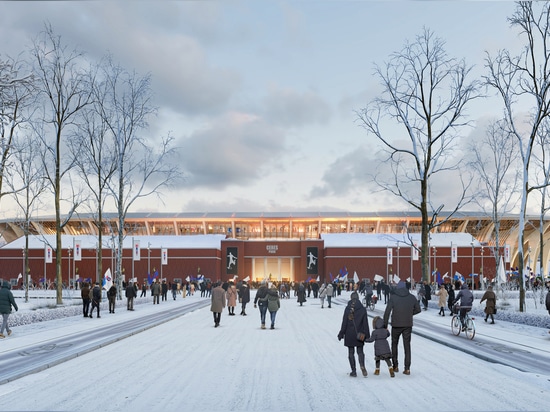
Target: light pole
(481,269)
(435,263)
(69,266)
(472,274)
(149,258)
(398,272)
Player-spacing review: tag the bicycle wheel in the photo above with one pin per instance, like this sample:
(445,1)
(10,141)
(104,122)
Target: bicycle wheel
(470,328)
(372,305)
(455,325)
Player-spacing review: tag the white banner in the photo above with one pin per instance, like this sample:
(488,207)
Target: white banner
(415,251)
(136,250)
(48,254)
(507,253)
(77,250)
(454,254)
(390,256)
(164,256)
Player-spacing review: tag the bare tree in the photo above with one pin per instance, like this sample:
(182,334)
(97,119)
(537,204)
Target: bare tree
(522,82)
(142,167)
(93,149)
(426,92)
(495,162)
(65,91)
(28,184)
(17,91)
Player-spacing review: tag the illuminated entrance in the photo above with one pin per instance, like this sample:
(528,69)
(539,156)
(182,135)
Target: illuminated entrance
(278,268)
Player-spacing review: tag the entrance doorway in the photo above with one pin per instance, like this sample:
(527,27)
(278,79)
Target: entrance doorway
(273,268)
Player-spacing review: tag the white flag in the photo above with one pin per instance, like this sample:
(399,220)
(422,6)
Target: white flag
(164,256)
(396,279)
(48,254)
(107,279)
(137,251)
(355,277)
(378,278)
(77,250)
(246,279)
(20,276)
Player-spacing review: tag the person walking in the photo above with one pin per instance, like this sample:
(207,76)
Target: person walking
(490,305)
(260,301)
(130,295)
(231,298)
(155,292)
(401,306)
(174,290)
(330,291)
(96,299)
(85,295)
(382,349)
(217,303)
(354,330)
(548,303)
(244,296)
(443,295)
(143,290)
(427,296)
(273,304)
(301,294)
(164,290)
(451,296)
(6,303)
(322,294)
(111,296)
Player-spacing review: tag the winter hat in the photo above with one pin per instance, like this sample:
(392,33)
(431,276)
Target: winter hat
(401,285)
(354,295)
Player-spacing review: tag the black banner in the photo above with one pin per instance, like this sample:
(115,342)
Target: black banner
(231,258)
(312,257)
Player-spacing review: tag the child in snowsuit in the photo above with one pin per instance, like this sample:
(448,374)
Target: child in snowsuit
(382,349)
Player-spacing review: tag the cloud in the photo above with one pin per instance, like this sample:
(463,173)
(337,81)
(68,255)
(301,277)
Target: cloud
(293,109)
(345,174)
(236,149)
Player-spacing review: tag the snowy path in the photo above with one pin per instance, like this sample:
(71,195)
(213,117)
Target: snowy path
(187,364)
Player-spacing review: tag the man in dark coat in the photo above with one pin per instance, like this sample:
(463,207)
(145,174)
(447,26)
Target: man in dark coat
(354,322)
(402,306)
(85,294)
(244,296)
(6,303)
(130,295)
(96,299)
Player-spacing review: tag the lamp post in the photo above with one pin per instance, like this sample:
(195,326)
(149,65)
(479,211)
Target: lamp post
(398,272)
(481,269)
(149,258)
(472,274)
(69,266)
(435,263)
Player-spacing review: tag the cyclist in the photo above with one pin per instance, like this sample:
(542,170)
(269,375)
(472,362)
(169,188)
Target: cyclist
(466,298)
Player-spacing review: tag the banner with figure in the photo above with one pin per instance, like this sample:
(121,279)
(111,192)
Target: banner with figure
(312,257)
(77,250)
(136,254)
(231,260)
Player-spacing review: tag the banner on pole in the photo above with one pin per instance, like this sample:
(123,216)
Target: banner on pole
(415,251)
(454,254)
(164,256)
(390,256)
(507,253)
(77,250)
(48,254)
(137,250)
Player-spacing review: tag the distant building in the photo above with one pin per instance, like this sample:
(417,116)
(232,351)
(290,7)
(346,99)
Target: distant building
(281,246)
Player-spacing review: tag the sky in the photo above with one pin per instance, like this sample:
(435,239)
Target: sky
(262,97)
(187,364)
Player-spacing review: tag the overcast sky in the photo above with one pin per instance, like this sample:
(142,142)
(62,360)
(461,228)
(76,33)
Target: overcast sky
(261,95)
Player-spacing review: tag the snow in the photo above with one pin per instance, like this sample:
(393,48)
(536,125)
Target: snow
(187,364)
(347,240)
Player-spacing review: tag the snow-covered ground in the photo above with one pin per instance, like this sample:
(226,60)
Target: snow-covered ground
(187,364)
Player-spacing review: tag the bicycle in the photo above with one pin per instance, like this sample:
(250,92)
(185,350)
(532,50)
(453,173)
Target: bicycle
(456,324)
(372,303)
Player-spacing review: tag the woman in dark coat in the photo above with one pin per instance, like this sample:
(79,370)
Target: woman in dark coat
(301,294)
(355,322)
(490,306)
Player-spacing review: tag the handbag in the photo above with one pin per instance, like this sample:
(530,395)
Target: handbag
(361,336)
